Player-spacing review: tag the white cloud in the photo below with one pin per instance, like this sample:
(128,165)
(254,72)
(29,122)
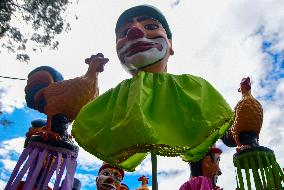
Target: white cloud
(164,166)
(8,149)
(86,179)
(227,179)
(14,145)
(173,182)
(2,184)
(87,161)
(9,102)
(8,164)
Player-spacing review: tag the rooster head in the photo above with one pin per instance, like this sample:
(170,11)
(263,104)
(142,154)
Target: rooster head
(144,179)
(245,85)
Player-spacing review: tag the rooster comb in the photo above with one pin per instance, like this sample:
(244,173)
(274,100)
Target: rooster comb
(245,80)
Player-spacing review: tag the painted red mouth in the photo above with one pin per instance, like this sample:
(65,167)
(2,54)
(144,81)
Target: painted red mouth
(107,186)
(140,47)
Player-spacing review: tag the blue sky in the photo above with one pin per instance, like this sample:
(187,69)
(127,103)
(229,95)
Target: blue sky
(221,41)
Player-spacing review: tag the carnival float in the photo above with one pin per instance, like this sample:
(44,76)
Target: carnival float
(159,113)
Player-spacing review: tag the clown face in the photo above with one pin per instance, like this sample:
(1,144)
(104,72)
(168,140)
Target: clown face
(142,44)
(109,179)
(211,168)
(216,169)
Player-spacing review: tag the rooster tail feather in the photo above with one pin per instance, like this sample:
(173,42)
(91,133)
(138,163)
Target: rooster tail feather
(38,80)
(32,93)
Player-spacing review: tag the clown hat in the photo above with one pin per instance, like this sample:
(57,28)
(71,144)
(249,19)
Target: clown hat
(143,10)
(215,149)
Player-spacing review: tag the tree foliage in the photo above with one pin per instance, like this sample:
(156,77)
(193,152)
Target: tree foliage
(44,17)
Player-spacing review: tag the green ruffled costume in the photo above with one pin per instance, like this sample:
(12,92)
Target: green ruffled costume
(171,115)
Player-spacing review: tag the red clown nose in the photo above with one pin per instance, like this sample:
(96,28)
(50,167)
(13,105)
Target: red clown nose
(134,33)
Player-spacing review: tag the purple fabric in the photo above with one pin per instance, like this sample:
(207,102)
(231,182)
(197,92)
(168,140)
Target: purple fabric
(22,158)
(30,184)
(58,165)
(70,172)
(66,180)
(45,170)
(50,173)
(31,163)
(31,170)
(197,183)
(25,168)
(59,176)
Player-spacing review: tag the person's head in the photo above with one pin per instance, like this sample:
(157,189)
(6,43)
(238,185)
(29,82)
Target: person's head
(208,166)
(109,177)
(143,39)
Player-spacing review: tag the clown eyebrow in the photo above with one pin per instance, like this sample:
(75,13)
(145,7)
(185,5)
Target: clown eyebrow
(141,19)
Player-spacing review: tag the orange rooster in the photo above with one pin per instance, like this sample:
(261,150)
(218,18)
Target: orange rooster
(59,99)
(248,118)
(144,181)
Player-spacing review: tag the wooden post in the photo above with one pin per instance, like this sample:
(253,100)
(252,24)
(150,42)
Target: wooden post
(154,171)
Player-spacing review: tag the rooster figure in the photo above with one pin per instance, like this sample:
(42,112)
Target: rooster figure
(248,117)
(59,99)
(144,181)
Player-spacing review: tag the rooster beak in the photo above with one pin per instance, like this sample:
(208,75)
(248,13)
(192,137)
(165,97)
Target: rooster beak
(87,61)
(239,90)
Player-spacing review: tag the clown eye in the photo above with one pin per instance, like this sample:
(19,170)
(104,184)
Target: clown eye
(117,177)
(151,26)
(106,173)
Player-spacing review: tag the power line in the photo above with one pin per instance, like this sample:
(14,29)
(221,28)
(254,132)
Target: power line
(13,78)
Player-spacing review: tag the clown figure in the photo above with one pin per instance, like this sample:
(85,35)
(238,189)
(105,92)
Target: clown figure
(205,172)
(109,177)
(171,115)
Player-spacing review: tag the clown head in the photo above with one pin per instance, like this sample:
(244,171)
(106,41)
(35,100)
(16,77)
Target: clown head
(208,166)
(109,177)
(143,40)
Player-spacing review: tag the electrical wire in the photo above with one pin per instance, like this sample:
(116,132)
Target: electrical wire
(13,78)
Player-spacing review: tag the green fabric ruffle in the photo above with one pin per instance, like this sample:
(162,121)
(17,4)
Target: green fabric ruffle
(170,115)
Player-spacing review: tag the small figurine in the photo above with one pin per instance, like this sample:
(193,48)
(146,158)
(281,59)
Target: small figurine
(47,92)
(144,185)
(248,118)
(109,177)
(260,161)
(205,172)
